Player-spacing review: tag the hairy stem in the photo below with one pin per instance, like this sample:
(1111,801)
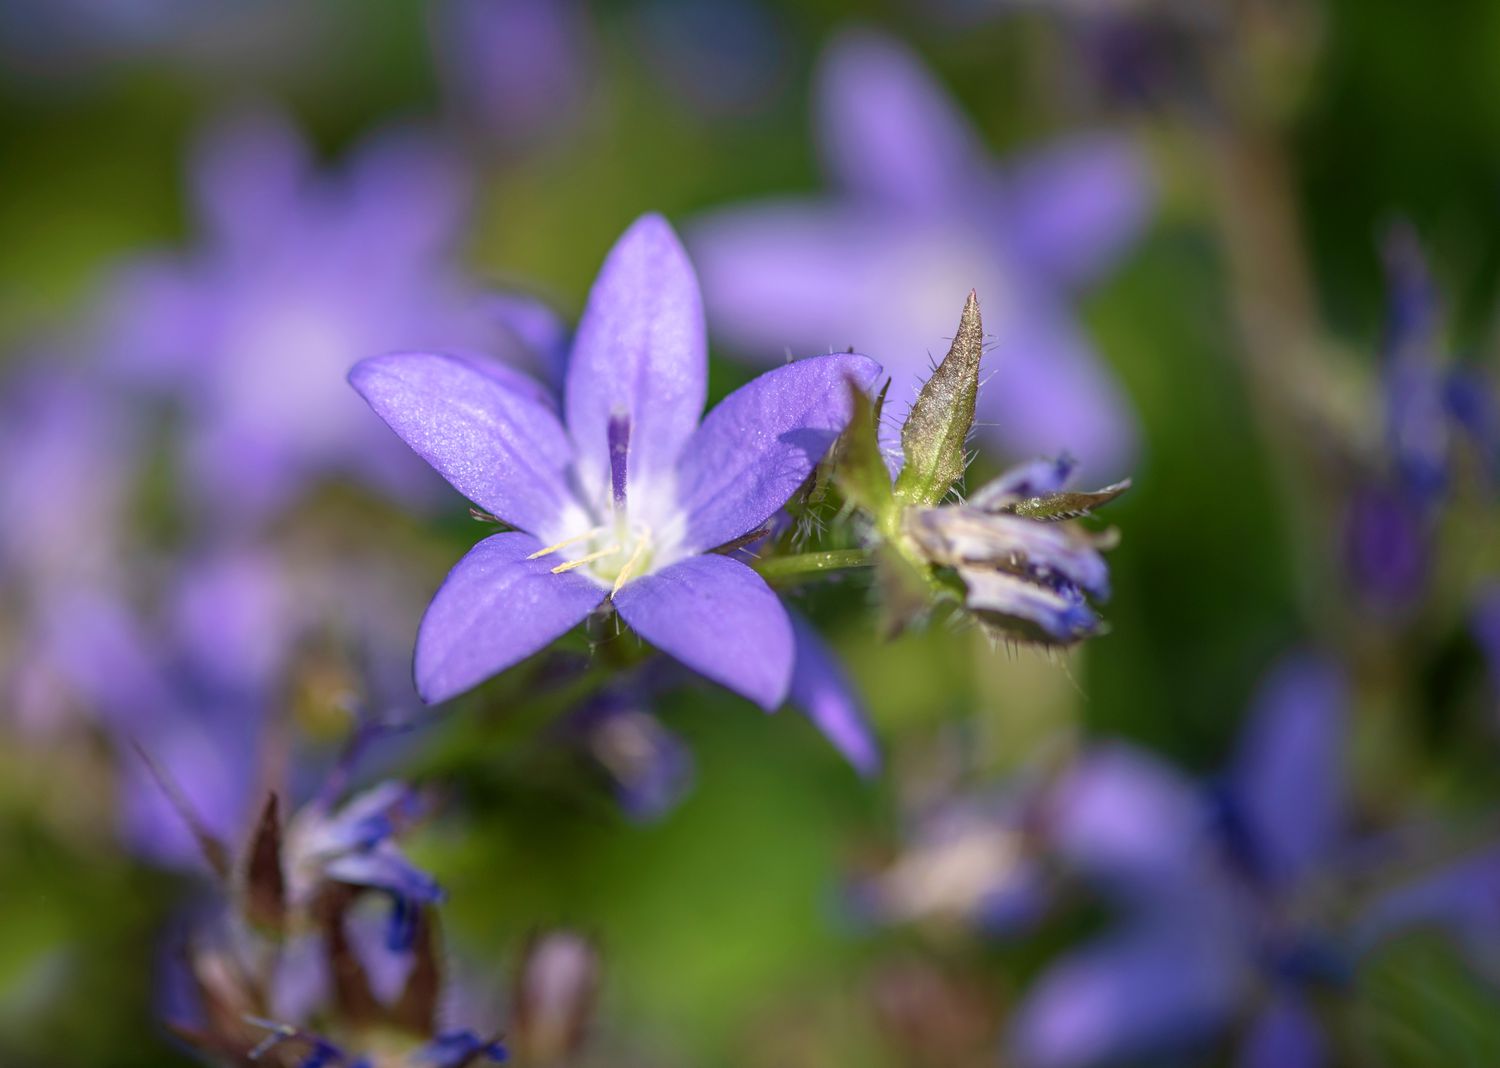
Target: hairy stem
(802,565)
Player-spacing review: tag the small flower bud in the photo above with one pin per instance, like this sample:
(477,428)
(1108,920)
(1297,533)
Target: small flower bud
(934,439)
(554,999)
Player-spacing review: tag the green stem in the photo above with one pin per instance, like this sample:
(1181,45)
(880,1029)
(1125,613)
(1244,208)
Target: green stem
(800,565)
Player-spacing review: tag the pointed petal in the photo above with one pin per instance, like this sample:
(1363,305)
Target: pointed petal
(720,619)
(385,868)
(804,276)
(248,177)
(822,690)
(889,131)
(1128,820)
(542,334)
(1462,901)
(1073,208)
(1159,985)
(503,450)
(1284,1035)
(761,442)
(408,192)
(494,609)
(1286,781)
(640,352)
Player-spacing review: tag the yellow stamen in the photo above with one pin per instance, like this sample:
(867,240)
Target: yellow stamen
(630,565)
(549,550)
(589,559)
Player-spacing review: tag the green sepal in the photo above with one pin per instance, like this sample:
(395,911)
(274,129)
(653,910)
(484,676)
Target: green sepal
(859,468)
(935,436)
(1055,507)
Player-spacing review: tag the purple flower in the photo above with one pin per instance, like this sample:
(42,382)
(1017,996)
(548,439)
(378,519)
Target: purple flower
(298,275)
(1209,891)
(924,213)
(1223,897)
(624,498)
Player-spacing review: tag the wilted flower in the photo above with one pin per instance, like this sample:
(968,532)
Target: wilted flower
(626,503)
(924,213)
(1026,572)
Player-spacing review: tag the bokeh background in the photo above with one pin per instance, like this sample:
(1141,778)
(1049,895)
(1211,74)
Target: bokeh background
(1247,318)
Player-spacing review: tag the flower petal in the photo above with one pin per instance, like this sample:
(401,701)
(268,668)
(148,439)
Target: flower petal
(385,868)
(810,276)
(822,690)
(761,442)
(1461,900)
(1286,781)
(1160,984)
(249,176)
(1128,821)
(495,608)
(1074,207)
(1050,393)
(720,619)
(889,131)
(640,352)
(1284,1035)
(542,334)
(501,449)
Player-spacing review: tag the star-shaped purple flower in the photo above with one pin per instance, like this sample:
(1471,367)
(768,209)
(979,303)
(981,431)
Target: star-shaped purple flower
(924,213)
(298,275)
(625,497)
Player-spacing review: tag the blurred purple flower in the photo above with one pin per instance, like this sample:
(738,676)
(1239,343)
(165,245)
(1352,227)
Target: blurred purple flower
(1461,901)
(71,453)
(71,462)
(1390,520)
(650,767)
(1223,898)
(969,859)
(297,277)
(632,495)
(518,68)
(923,214)
(1210,894)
